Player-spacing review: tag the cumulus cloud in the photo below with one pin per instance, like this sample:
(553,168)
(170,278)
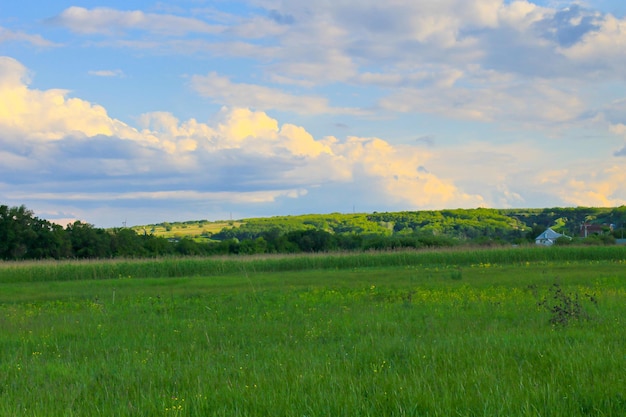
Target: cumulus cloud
(60,148)
(48,115)
(13,74)
(499,173)
(77,153)
(587,185)
(506,64)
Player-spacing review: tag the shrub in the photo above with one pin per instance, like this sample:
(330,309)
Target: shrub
(565,307)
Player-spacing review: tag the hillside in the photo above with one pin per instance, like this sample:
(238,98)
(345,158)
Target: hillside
(24,236)
(199,230)
(462,224)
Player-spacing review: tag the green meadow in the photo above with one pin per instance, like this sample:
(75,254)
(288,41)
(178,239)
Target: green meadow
(501,332)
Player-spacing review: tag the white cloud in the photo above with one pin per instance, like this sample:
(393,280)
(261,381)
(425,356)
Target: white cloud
(513,66)
(109,21)
(46,115)
(335,41)
(83,155)
(12,73)
(221,90)
(61,221)
(178,195)
(478,95)
(7,35)
(603,48)
(588,185)
(521,14)
(394,46)
(396,170)
(244,152)
(107,73)
(257,27)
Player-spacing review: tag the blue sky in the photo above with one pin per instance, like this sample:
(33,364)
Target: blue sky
(143,112)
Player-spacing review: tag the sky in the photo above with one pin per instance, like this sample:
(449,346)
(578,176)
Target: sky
(133,113)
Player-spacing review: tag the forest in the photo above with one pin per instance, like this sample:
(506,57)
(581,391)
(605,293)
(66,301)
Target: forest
(25,236)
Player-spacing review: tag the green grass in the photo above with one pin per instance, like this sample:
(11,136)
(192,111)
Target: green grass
(313,336)
(180,267)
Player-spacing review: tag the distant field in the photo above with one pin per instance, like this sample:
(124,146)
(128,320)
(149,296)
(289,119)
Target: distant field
(457,333)
(187,229)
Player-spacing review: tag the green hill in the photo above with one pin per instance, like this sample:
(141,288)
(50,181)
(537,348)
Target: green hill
(462,224)
(24,236)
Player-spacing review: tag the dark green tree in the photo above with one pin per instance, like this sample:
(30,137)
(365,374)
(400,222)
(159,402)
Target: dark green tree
(24,236)
(126,243)
(88,241)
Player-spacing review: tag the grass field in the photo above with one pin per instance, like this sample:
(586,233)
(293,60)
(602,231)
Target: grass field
(515,332)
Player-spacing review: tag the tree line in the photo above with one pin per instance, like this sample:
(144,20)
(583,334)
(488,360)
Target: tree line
(25,236)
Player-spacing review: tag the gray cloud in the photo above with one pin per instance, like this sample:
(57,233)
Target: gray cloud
(98,147)
(615,112)
(280,18)
(509,51)
(428,140)
(568,26)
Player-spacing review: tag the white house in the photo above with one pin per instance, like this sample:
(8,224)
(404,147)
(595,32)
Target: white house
(548,237)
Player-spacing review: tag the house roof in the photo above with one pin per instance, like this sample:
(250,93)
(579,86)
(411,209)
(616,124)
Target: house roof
(549,234)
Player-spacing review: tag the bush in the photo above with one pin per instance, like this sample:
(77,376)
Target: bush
(564,307)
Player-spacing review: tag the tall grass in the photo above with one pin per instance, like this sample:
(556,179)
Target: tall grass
(383,341)
(182,267)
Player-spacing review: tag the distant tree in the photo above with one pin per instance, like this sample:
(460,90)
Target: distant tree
(566,241)
(16,232)
(596,239)
(51,242)
(312,240)
(88,241)
(126,243)
(534,232)
(187,246)
(24,236)
(349,241)
(619,233)
(157,246)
